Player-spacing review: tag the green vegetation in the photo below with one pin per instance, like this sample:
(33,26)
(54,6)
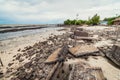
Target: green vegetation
(95,20)
(110,20)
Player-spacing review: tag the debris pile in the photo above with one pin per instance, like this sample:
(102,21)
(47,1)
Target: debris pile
(48,60)
(113,53)
(83,50)
(83,71)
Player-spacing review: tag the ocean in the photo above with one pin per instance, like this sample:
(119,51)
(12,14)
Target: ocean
(8,35)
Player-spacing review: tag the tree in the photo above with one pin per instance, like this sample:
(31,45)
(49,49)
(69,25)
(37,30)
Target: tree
(78,22)
(110,20)
(95,19)
(73,22)
(67,22)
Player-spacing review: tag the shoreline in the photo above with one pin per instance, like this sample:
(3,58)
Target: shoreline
(12,48)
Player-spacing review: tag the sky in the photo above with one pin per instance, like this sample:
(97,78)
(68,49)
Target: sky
(54,11)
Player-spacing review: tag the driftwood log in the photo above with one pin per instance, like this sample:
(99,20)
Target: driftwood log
(51,74)
(57,55)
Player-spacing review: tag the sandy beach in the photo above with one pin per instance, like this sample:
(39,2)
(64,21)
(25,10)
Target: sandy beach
(11,47)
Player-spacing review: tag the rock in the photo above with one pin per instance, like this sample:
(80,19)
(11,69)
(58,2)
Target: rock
(9,70)
(28,47)
(18,56)
(1,74)
(19,49)
(21,60)
(10,64)
(22,75)
(28,76)
(15,79)
(27,65)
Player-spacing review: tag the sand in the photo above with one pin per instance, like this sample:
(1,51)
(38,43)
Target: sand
(110,71)
(9,48)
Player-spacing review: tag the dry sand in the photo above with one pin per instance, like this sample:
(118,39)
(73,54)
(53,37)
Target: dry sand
(9,48)
(110,71)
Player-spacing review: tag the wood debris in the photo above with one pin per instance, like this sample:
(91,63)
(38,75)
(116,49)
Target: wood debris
(81,71)
(82,50)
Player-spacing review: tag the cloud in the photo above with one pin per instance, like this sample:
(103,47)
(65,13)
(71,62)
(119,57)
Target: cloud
(55,11)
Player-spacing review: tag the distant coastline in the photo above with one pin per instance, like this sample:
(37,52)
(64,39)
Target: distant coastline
(14,28)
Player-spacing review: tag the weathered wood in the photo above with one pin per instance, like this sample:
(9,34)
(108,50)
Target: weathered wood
(83,71)
(85,38)
(1,62)
(62,72)
(53,57)
(81,33)
(57,55)
(49,77)
(82,50)
(113,54)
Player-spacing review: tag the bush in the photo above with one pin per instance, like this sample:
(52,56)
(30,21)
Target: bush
(93,21)
(67,22)
(110,20)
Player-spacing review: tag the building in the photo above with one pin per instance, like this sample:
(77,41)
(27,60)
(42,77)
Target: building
(116,21)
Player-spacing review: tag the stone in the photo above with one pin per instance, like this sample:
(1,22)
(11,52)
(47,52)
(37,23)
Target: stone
(19,49)
(10,64)
(22,75)
(18,56)
(1,74)
(27,65)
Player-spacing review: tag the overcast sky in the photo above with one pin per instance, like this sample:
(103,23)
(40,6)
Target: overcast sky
(54,11)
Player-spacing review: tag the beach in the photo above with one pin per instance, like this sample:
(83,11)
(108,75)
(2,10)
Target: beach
(11,48)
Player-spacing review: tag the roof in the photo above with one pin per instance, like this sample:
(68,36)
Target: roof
(117,19)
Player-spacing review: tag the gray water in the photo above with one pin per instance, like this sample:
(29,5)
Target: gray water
(8,35)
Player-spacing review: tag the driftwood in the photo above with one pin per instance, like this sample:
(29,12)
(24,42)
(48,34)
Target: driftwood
(83,50)
(113,54)
(62,72)
(57,55)
(53,57)
(85,38)
(81,33)
(51,74)
(1,62)
(84,72)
